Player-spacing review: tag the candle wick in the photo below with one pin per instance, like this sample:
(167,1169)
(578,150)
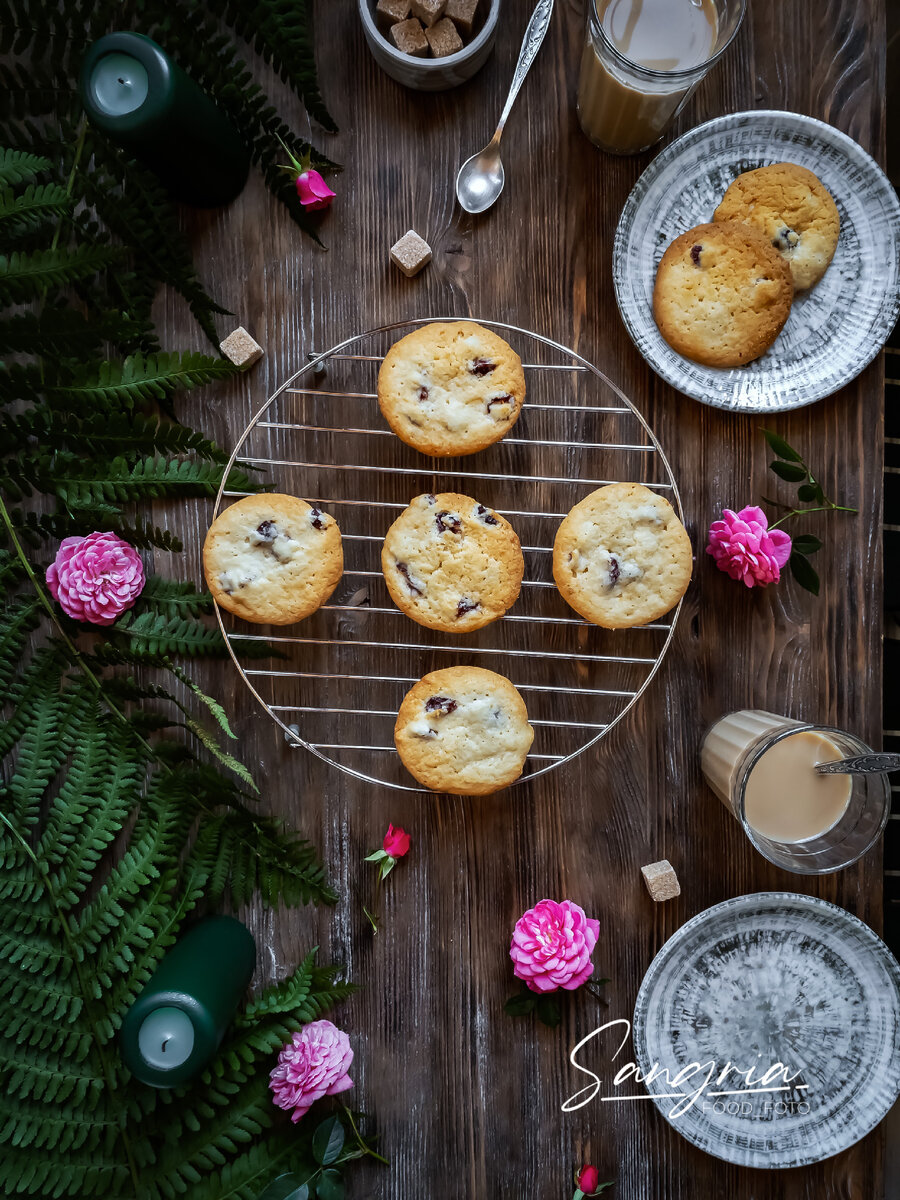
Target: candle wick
(165,1043)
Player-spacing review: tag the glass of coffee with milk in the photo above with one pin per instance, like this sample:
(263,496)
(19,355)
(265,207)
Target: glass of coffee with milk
(763,769)
(641,61)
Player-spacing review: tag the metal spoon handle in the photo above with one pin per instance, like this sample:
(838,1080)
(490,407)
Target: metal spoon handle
(865,764)
(531,43)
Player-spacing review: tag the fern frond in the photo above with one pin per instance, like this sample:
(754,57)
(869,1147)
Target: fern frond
(59,332)
(36,528)
(144,377)
(118,481)
(26,277)
(154,634)
(99,434)
(36,202)
(18,165)
(174,598)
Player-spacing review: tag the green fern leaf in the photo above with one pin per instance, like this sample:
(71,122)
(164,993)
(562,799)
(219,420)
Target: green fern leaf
(140,377)
(174,598)
(36,202)
(26,277)
(17,165)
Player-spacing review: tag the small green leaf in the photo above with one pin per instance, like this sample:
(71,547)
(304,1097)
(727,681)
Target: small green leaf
(780,447)
(548,1011)
(806,543)
(285,1187)
(520,1005)
(330,1186)
(808,492)
(376,857)
(804,572)
(328,1141)
(792,472)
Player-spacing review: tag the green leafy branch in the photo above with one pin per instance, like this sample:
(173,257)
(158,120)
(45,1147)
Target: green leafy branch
(546,1006)
(790,466)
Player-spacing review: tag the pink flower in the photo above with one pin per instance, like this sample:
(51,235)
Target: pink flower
(313,1064)
(396,842)
(745,548)
(552,944)
(95,578)
(313,191)
(587,1180)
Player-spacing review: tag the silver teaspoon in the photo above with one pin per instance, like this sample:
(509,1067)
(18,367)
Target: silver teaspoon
(864,764)
(480,179)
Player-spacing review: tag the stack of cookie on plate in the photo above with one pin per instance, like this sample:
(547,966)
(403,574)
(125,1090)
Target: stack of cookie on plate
(621,556)
(724,289)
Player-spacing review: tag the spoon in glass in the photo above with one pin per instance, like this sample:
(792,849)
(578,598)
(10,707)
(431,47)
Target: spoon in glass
(863,764)
(480,179)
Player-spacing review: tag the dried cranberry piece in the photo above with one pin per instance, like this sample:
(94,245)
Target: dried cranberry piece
(404,571)
(315,518)
(267,530)
(504,399)
(465,606)
(440,704)
(486,516)
(695,255)
(423,394)
(431,498)
(614,571)
(482,366)
(447,520)
(786,238)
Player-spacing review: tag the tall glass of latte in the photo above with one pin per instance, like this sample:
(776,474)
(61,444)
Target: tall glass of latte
(641,61)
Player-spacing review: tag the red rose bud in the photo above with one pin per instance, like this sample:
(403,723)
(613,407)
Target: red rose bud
(588,1179)
(396,842)
(313,191)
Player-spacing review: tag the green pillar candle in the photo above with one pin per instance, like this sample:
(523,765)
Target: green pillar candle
(177,1022)
(145,103)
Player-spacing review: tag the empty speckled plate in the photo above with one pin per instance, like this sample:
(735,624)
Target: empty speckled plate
(765,979)
(835,329)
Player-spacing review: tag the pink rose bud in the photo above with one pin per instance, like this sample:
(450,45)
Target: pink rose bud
(396,842)
(745,548)
(95,578)
(588,1179)
(313,191)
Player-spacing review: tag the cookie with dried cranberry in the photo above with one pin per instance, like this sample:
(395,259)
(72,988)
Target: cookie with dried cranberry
(451,388)
(463,730)
(272,559)
(722,294)
(622,557)
(794,210)
(451,563)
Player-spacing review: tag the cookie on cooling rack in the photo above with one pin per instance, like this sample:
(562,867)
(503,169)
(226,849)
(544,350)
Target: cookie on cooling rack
(450,388)
(795,211)
(451,563)
(622,557)
(463,730)
(272,559)
(722,294)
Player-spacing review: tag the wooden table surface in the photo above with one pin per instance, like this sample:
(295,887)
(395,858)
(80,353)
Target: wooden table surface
(467,1099)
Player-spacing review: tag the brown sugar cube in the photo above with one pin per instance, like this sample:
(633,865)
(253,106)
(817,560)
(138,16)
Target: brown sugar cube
(411,253)
(661,880)
(443,39)
(409,37)
(389,12)
(241,349)
(462,13)
(428,11)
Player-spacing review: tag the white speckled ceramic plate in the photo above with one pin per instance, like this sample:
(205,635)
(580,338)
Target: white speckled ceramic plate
(835,329)
(775,977)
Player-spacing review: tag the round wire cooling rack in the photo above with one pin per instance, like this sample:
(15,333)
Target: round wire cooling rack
(346,668)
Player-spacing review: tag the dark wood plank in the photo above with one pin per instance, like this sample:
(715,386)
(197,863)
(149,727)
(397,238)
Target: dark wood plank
(468,1100)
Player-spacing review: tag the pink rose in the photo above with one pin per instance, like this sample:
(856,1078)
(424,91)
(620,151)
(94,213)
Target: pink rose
(552,945)
(313,191)
(396,842)
(313,1064)
(588,1179)
(745,548)
(95,578)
